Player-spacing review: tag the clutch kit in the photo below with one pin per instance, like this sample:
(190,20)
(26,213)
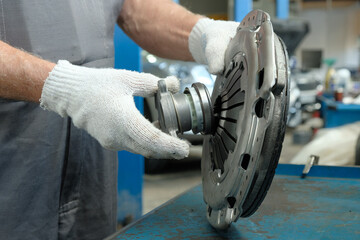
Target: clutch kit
(243,121)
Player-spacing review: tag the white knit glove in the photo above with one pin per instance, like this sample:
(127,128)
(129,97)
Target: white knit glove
(101,102)
(208,42)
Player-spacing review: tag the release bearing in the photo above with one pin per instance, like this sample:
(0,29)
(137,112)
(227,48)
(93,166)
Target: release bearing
(181,112)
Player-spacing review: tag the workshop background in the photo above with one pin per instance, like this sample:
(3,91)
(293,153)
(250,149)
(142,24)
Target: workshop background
(323,40)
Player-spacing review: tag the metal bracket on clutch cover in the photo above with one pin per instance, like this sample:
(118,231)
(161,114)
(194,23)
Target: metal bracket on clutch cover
(244,120)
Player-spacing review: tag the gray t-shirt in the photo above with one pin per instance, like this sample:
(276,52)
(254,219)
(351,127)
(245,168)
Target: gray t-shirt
(79,31)
(56,181)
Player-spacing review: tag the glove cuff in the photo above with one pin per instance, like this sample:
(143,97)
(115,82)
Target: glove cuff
(62,87)
(196,42)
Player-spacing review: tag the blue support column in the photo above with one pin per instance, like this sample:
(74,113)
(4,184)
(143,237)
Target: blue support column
(282,9)
(131,166)
(241,9)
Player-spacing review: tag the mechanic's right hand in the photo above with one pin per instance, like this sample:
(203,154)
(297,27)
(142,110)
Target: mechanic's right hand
(209,40)
(101,102)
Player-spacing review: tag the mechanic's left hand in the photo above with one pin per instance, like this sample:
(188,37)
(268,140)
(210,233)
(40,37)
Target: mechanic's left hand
(100,101)
(208,42)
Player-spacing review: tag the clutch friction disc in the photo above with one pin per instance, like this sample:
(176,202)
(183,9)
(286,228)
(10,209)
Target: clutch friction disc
(249,102)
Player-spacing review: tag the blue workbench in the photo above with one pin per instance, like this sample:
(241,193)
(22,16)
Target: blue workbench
(316,207)
(335,113)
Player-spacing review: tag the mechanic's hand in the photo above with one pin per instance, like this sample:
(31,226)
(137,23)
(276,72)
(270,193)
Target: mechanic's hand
(208,42)
(101,102)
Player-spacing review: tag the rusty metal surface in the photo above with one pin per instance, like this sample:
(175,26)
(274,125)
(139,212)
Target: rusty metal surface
(311,208)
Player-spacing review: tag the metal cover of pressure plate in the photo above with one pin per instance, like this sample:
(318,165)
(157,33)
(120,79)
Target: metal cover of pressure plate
(250,107)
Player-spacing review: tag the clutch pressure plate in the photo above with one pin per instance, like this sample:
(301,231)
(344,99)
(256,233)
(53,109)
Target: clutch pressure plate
(243,120)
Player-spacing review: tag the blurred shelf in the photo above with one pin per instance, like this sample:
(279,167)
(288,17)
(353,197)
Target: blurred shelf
(323,3)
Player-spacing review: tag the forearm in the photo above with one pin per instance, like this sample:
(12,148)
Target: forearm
(160,27)
(22,75)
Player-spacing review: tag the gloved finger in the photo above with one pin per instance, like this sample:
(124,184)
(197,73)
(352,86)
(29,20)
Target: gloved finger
(148,153)
(152,142)
(156,124)
(146,84)
(215,54)
(172,84)
(218,38)
(216,58)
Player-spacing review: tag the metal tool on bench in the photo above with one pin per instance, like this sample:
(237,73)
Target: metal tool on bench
(243,121)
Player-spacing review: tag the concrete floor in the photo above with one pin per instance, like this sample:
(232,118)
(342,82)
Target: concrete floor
(181,176)
(178,177)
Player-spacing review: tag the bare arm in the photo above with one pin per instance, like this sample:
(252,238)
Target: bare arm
(160,27)
(22,75)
